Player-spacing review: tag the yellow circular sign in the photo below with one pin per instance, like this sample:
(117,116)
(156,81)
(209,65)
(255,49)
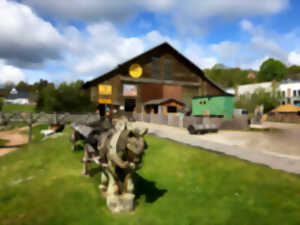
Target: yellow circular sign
(135,70)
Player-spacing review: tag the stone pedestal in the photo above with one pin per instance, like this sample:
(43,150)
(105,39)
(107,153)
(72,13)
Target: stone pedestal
(120,203)
(258,126)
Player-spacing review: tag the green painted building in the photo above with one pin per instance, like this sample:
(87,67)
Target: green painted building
(220,106)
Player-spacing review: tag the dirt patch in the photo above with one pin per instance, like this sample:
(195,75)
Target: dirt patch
(15,138)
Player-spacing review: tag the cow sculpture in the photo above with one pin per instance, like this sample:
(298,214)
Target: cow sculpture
(118,150)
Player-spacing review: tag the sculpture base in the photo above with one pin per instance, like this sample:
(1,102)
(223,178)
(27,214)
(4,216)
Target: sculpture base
(120,203)
(258,126)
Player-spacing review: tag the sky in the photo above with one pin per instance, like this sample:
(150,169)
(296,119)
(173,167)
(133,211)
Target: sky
(63,41)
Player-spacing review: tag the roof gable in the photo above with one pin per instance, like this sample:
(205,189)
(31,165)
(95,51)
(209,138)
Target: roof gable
(121,68)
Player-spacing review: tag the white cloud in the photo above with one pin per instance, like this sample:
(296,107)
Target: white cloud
(97,10)
(269,46)
(100,48)
(265,42)
(10,74)
(196,54)
(255,65)
(25,39)
(246,25)
(155,38)
(294,58)
(190,16)
(226,50)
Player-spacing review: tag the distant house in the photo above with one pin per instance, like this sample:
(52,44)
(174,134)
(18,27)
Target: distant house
(285,113)
(251,76)
(17,97)
(290,90)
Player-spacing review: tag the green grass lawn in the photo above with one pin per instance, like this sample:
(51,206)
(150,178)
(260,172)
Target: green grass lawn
(18,108)
(179,184)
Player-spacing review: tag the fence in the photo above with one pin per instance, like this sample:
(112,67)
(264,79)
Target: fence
(174,120)
(54,118)
(237,122)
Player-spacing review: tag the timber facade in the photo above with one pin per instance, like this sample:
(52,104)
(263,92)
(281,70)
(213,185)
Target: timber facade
(166,74)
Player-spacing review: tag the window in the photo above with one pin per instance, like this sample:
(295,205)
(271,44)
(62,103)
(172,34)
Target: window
(168,69)
(155,68)
(172,109)
(283,94)
(129,90)
(294,93)
(299,92)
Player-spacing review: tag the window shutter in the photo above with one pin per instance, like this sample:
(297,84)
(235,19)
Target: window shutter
(155,68)
(168,69)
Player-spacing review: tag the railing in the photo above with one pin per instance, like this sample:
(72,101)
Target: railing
(30,118)
(175,120)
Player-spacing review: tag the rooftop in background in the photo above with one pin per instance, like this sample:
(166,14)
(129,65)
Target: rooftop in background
(163,101)
(289,81)
(15,94)
(287,108)
(251,87)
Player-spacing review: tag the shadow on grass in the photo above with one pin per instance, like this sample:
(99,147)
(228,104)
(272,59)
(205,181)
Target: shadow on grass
(11,146)
(142,187)
(94,171)
(147,188)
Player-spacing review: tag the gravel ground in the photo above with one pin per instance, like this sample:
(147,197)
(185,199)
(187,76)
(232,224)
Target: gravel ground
(15,138)
(278,150)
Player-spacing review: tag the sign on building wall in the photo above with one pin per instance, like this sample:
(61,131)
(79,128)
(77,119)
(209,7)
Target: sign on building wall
(105,89)
(104,101)
(135,70)
(129,90)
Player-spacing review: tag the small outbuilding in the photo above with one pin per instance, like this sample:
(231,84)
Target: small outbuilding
(164,106)
(285,113)
(17,97)
(213,106)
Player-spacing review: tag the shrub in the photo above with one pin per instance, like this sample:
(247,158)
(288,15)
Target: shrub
(1,103)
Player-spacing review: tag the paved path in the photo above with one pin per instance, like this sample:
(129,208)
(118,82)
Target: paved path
(288,163)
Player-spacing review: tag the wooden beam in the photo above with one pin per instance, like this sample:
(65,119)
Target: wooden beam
(154,81)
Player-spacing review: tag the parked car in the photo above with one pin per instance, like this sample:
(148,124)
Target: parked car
(240,112)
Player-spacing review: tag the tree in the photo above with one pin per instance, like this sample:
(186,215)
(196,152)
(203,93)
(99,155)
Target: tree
(293,72)
(64,98)
(272,69)
(228,77)
(23,86)
(1,103)
(261,96)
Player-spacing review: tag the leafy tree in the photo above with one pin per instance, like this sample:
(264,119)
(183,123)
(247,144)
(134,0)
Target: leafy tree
(228,77)
(261,96)
(293,72)
(272,69)
(1,103)
(65,98)
(23,86)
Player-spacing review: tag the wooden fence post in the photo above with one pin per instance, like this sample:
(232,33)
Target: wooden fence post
(30,127)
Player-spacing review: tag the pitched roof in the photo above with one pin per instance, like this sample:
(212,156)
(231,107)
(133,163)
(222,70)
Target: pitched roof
(162,101)
(287,108)
(18,95)
(124,66)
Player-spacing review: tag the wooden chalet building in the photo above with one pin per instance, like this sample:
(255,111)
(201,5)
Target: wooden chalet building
(158,74)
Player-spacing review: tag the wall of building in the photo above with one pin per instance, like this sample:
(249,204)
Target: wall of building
(149,91)
(213,106)
(289,89)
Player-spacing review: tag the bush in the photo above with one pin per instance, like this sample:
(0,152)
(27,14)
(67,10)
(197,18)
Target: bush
(1,103)
(272,69)
(269,100)
(65,98)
